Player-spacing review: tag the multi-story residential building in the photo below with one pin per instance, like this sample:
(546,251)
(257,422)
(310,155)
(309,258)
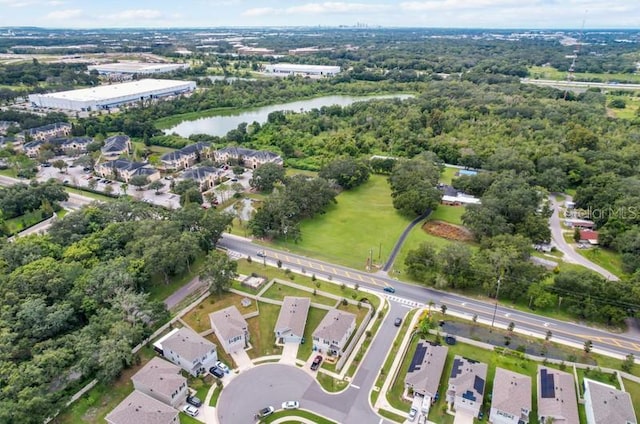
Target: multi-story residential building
(292,319)
(187,156)
(162,381)
(466,385)
(230,328)
(425,370)
(189,350)
(557,396)
(115,146)
(138,408)
(249,158)
(45,132)
(605,404)
(205,176)
(334,332)
(124,170)
(511,398)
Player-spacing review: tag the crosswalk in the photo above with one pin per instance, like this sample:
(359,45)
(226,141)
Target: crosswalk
(406,302)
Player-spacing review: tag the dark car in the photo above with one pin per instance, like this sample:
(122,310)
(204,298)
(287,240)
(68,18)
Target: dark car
(397,322)
(389,289)
(316,362)
(480,415)
(265,412)
(194,401)
(216,372)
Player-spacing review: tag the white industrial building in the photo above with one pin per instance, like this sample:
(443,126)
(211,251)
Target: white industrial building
(285,69)
(108,96)
(136,68)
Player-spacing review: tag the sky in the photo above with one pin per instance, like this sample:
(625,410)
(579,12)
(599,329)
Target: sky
(386,13)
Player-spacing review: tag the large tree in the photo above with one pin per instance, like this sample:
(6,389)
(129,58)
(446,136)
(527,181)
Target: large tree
(218,272)
(413,185)
(266,176)
(346,172)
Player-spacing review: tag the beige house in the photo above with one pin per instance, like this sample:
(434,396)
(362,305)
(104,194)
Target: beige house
(467,384)
(557,396)
(605,404)
(187,156)
(250,158)
(511,398)
(292,319)
(189,350)
(425,370)
(115,146)
(334,331)
(138,408)
(45,132)
(230,328)
(205,176)
(124,170)
(162,381)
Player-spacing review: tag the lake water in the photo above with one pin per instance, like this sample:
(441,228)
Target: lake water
(221,124)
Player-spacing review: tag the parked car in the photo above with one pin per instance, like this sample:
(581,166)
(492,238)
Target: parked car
(223,367)
(316,362)
(194,401)
(397,322)
(46,165)
(389,289)
(265,412)
(480,415)
(234,180)
(290,404)
(261,254)
(413,412)
(191,410)
(216,372)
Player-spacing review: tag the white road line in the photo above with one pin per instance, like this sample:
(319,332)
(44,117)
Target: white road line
(355,387)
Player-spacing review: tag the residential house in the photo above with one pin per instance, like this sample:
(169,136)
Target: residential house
(230,328)
(76,144)
(124,170)
(605,404)
(138,408)
(32,148)
(45,132)
(187,156)
(115,146)
(249,158)
(453,197)
(189,350)
(556,396)
(58,145)
(334,331)
(292,319)
(589,236)
(162,381)
(511,398)
(466,385)
(425,369)
(205,176)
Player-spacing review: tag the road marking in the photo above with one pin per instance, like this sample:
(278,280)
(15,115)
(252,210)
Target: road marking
(355,387)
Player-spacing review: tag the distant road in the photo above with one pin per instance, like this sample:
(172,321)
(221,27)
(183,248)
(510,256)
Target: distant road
(580,84)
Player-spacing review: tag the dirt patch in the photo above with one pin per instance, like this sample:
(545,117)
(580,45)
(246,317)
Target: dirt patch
(447,231)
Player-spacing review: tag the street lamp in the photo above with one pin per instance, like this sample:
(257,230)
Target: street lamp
(495,308)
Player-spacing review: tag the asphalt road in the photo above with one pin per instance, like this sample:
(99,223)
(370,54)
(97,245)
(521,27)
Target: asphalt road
(403,236)
(563,332)
(570,255)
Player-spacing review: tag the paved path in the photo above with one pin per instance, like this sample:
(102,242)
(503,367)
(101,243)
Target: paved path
(403,236)
(183,292)
(570,255)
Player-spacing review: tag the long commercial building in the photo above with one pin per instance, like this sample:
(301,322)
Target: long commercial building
(298,69)
(108,96)
(136,68)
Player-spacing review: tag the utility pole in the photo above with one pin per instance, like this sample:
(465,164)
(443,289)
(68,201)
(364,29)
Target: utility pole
(370,259)
(495,308)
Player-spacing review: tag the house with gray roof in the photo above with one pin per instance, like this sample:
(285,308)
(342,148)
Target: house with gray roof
(425,369)
(138,408)
(44,132)
(557,396)
(292,319)
(187,156)
(333,332)
(162,381)
(511,398)
(124,170)
(467,384)
(249,158)
(230,328)
(189,350)
(205,176)
(115,146)
(604,404)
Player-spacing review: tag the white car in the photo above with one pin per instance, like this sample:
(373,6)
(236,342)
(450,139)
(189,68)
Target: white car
(412,414)
(191,410)
(223,367)
(290,404)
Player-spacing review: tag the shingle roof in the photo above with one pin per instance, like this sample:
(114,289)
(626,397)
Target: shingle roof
(145,170)
(138,408)
(563,405)
(427,366)
(468,378)
(609,405)
(198,173)
(334,325)
(195,147)
(48,127)
(262,155)
(161,376)
(123,165)
(116,143)
(229,322)
(188,344)
(511,392)
(293,315)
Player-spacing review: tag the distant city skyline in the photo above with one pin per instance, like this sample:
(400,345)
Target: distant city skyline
(534,14)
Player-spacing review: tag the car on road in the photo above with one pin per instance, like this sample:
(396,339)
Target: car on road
(413,412)
(316,362)
(261,254)
(216,372)
(234,180)
(290,404)
(397,322)
(192,400)
(389,289)
(191,410)
(265,412)
(223,367)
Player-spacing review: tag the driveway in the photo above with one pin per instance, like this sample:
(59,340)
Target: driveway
(289,353)
(463,417)
(242,360)
(570,255)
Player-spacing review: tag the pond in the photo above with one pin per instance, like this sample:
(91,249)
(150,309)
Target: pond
(221,124)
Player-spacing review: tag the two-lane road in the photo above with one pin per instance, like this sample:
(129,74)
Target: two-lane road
(571,333)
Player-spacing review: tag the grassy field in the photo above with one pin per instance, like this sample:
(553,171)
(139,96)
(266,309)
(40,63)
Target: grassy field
(261,331)
(330,384)
(446,213)
(448,174)
(631,109)
(299,413)
(606,258)
(198,317)
(362,221)
(279,291)
(99,401)
(634,390)
(314,317)
(548,72)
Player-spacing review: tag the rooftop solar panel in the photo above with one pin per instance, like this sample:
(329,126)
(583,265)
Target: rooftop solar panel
(469,395)
(456,370)
(418,357)
(547,386)
(478,385)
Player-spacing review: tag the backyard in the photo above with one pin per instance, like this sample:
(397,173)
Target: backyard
(261,330)
(278,291)
(314,317)
(198,317)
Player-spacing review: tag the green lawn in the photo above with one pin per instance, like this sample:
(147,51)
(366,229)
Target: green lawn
(392,416)
(198,317)
(362,223)
(186,419)
(631,109)
(9,172)
(279,291)
(606,258)
(89,194)
(446,213)
(261,331)
(22,222)
(314,317)
(596,375)
(299,413)
(330,384)
(548,72)
(634,390)
(214,397)
(448,174)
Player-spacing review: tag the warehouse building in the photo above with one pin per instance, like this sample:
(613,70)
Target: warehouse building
(285,69)
(109,96)
(136,68)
